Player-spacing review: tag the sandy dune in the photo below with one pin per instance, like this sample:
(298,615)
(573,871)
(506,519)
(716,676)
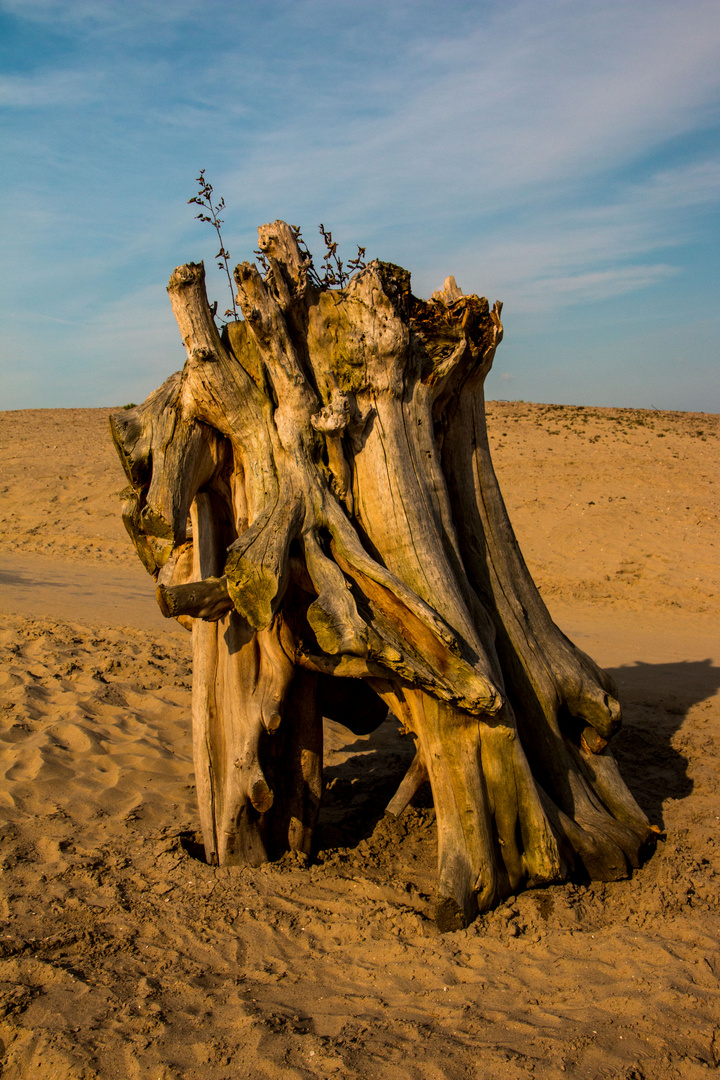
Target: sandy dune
(125,956)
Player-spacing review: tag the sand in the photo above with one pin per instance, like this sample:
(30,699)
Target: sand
(125,956)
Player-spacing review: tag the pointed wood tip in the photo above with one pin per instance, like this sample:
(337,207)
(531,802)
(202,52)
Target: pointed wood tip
(449,293)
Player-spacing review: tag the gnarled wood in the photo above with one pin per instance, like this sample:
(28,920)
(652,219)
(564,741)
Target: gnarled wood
(315,496)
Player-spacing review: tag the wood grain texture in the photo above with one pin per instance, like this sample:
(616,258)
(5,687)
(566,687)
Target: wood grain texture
(315,496)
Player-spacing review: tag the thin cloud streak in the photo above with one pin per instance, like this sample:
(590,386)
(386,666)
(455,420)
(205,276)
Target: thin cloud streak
(114,17)
(52,89)
(555,155)
(518,117)
(577,254)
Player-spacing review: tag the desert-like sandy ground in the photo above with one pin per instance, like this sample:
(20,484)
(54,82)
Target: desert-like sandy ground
(125,956)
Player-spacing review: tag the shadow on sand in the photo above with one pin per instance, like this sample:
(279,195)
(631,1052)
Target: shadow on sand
(656,699)
(358,789)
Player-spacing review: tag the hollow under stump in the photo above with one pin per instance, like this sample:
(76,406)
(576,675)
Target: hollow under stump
(315,498)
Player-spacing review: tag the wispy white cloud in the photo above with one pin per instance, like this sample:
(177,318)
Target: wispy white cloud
(692,184)
(535,97)
(48,89)
(109,16)
(568,255)
(550,153)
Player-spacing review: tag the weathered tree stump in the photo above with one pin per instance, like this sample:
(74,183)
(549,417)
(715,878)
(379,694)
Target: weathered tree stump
(315,496)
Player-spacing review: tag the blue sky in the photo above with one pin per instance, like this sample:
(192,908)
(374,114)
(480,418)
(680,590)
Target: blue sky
(560,155)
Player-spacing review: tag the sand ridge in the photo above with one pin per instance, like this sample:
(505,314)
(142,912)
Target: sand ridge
(124,955)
